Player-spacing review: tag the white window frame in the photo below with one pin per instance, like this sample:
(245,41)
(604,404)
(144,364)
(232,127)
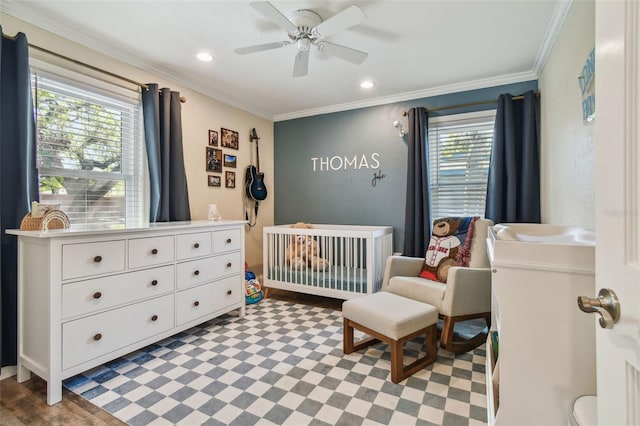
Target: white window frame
(134,171)
(486,116)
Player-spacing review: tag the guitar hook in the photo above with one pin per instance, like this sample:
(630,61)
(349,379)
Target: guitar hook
(253,136)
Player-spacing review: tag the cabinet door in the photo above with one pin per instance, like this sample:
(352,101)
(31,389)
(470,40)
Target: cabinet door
(200,271)
(226,240)
(87,259)
(203,300)
(150,251)
(88,338)
(190,246)
(85,297)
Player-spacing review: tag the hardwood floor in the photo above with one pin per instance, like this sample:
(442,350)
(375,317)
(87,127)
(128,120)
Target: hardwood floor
(26,403)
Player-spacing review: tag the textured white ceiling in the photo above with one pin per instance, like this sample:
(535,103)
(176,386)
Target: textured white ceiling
(416,48)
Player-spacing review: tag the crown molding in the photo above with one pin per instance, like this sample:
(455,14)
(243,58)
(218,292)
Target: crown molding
(22,11)
(553,30)
(417,94)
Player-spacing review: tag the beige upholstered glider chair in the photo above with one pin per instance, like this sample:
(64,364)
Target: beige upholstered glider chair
(466,294)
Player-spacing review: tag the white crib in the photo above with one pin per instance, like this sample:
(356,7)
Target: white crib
(356,255)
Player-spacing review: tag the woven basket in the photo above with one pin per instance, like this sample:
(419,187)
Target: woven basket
(54,219)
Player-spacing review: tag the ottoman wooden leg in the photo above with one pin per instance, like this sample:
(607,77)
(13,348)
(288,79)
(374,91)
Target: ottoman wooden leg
(348,344)
(398,371)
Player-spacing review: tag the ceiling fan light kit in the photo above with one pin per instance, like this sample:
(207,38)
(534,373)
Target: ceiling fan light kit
(306,28)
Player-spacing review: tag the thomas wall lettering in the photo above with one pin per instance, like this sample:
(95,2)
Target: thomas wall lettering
(336,162)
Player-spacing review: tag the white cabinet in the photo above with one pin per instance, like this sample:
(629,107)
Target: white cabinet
(87,296)
(546,355)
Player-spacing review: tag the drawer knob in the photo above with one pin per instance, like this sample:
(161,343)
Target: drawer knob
(97,259)
(196,303)
(154,251)
(97,337)
(228,240)
(196,245)
(229,265)
(97,295)
(154,282)
(229,292)
(154,318)
(196,272)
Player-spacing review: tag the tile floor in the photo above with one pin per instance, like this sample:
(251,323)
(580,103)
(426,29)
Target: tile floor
(281,364)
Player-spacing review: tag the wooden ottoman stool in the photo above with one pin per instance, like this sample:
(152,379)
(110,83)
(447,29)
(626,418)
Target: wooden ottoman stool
(393,320)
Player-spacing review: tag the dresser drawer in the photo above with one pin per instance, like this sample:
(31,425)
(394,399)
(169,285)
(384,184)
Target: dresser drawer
(97,335)
(87,259)
(189,246)
(228,240)
(205,299)
(150,251)
(203,270)
(89,296)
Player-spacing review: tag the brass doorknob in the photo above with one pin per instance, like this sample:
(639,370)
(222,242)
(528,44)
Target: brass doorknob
(606,304)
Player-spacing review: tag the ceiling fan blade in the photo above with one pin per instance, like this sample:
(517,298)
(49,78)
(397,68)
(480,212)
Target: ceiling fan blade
(261,47)
(301,65)
(270,12)
(347,18)
(342,52)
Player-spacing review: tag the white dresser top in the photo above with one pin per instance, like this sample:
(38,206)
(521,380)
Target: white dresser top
(542,246)
(81,230)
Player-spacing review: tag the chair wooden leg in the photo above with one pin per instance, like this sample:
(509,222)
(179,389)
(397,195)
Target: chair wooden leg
(446,338)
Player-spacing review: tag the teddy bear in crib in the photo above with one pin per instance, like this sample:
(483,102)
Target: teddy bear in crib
(303,251)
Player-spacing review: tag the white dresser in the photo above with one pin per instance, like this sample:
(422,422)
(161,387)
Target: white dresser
(87,296)
(546,350)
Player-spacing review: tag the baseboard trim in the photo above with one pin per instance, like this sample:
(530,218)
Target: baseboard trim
(8,371)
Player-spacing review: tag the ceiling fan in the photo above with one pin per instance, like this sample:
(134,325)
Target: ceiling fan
(306,28)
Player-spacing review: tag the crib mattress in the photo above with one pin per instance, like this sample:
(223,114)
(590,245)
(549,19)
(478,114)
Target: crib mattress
(353,280)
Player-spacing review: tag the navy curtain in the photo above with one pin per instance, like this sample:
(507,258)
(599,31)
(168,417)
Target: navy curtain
(169,199)
(18,177)
(417,220)
(513,188)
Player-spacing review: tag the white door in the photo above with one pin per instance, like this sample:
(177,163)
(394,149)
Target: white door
(618,206)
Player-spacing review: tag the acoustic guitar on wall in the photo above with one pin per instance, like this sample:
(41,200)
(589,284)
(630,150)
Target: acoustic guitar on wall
(254,179)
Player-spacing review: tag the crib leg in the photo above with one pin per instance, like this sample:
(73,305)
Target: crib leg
(265,290)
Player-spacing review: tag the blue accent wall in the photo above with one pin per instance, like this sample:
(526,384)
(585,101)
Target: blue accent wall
(337,188)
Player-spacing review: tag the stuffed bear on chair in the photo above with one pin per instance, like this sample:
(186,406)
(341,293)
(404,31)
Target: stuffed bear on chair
(303,251)
(442,250)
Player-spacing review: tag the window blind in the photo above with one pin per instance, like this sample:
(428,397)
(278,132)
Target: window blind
(89,151)
(459,156)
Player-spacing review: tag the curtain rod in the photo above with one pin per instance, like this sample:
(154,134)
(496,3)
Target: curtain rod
(515,98)
(91,67)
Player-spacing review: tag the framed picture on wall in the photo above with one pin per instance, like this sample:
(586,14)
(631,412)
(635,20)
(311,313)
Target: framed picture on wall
(228,138)
(230,160)
(229,179)
(213,180)
(213,138)
(214,160)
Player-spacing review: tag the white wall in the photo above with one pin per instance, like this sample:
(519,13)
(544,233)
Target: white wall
(567,144)
(199,114)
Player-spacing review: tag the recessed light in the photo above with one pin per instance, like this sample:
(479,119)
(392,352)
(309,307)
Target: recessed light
(367,84)
(204,57)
